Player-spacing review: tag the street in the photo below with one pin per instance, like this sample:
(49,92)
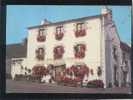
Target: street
(32,87)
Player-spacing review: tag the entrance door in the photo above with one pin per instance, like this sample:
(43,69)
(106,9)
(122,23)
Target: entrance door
(58,70)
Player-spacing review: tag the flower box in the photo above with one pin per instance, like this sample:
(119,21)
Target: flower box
(40,57)
(79,55)
(39,71)
(41,38)
(59,36)
(79,33)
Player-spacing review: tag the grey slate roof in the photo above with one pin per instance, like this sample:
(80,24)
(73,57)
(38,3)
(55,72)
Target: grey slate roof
(125,47)
(16,50)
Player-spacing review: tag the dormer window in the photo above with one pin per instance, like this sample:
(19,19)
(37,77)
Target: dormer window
(58,52)
(80,50)
(80,30)
(59,33)
(40,53)
(41,37)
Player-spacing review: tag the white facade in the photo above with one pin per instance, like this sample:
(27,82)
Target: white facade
(18,66)
(101,36)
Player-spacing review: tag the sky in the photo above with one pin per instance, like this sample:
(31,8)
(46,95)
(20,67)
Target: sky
(20,17)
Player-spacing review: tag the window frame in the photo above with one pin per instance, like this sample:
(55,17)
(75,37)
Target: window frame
(42,32)
(40,53)
(80,26)
(59,29)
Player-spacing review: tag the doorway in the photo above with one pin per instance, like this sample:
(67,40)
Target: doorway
(58,71)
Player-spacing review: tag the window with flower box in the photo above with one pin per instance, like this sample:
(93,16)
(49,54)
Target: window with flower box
(59,33)
(58,52)
(80,50)
(40,53)
(80,30)
(41,37)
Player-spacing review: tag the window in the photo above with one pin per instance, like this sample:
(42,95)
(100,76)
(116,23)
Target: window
(80,26)
(115,53)
(80,30)
(40,53)
(80,50)
(58,52)
(99,71)
(42,32)
(41,35)
(59,33)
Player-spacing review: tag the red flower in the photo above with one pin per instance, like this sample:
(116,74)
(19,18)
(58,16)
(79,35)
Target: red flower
(59,36)
(79,33)
(58,52)
(41,38)
(39,70)
(77,79)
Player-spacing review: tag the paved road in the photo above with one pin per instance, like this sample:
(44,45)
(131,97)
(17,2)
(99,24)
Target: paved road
(29,87)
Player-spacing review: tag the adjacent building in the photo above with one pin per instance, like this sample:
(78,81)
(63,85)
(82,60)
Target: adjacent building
(17,50)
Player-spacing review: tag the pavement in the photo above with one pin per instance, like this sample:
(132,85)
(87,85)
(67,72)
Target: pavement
(32,87)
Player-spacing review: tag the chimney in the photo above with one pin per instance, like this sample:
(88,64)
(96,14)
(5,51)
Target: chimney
(105,10)
(45,22)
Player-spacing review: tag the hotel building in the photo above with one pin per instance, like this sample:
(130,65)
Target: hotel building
(92,41)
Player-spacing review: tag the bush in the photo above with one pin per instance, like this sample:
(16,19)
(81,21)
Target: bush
(39,71)
(95,84)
